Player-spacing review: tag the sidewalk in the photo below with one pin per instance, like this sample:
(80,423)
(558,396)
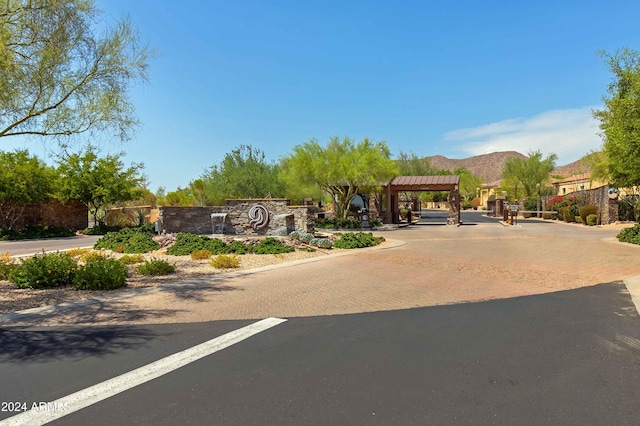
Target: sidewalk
(428,266)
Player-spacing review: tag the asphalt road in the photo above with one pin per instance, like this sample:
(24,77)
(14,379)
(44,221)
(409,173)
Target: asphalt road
(569,358)
(25,247)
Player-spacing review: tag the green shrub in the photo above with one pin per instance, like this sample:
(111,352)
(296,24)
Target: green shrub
(225,261)
(630,235)
(351,240)
(271,245)
(187,243)
(47,270)
(100,274)
(35,231)
(7,265)
(585,211)
(306,237)
(337,223)
(128,240)
(131,259)
(295,235)
(592,219)
(101,229)
(239,247)
(323,243)
(548,215)
(155,267)
(200,254)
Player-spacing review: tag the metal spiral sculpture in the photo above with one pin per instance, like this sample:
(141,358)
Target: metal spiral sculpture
(258,216)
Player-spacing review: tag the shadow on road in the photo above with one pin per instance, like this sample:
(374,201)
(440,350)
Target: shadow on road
(22,344)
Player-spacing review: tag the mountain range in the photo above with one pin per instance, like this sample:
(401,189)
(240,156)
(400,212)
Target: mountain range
(489,166)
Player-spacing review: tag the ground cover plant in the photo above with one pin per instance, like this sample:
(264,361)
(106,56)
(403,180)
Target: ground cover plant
(351,240)
(155,267)
(128,240)
(225,261)
(630,235)
(100,273)
(47,270)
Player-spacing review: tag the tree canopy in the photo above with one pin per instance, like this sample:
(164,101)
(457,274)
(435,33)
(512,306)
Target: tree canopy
(620,119)
(342,169)
(243,173)
(97,181)
(59,77)
(23,179)
(529,171)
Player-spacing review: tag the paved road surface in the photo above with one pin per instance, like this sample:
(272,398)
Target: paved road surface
(476,324)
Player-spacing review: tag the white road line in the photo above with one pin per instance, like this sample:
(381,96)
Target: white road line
(91,395)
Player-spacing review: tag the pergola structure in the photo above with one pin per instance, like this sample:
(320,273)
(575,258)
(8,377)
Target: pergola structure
(399,184)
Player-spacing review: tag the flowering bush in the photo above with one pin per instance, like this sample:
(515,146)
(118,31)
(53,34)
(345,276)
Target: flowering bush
(45,271)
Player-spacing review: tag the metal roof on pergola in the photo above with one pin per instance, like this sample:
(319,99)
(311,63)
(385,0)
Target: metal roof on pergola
(425,183)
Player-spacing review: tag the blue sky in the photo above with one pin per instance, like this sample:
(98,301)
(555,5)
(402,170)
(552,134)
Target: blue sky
(430,77)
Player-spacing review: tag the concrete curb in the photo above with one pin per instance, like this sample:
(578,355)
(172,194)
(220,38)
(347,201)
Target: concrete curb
(633,287)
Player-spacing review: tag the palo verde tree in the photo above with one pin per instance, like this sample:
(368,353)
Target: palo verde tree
(243,173)
(23,179)
(342,169)
(59,77)
(97,181)
(529,171)
(620,120)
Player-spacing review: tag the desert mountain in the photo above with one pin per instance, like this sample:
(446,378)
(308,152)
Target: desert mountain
(489,166)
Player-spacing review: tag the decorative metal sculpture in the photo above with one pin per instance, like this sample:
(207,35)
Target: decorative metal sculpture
(258,216)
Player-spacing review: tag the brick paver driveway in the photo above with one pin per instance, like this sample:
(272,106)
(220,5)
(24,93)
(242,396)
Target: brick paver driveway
(422,265)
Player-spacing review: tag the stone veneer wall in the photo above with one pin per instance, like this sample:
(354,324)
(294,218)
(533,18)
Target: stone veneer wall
(607,208)
(73,215)
(197,220)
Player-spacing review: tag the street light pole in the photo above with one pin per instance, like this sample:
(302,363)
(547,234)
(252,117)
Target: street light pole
(538,198)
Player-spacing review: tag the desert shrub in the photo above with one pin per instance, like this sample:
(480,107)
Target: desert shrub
(155,267)
(351,240)
(271,245)
(323,243)
(34,231)
(295,235)
(200,254)
(337,223)
(630,235)
(187,243)
(79,252)
(629,209)
(100,273)
(225,261)
(562,212)
(548,215)
(131,259)
(592,219)
(585,211)
(238,247)
(578,219)
(101,229)
(306,237)
(7,265)
(47,270)
(128,240)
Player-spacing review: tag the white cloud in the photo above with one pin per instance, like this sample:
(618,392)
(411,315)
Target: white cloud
(569,133)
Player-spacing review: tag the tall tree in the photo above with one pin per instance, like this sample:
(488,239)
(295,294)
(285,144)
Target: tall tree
(97,181)
(59,77)
(469,184)
(412,165)
(243,173)
(342,169)
(23,179)
(620,118)
(529,171)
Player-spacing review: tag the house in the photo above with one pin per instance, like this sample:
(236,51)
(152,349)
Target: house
(575,183)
